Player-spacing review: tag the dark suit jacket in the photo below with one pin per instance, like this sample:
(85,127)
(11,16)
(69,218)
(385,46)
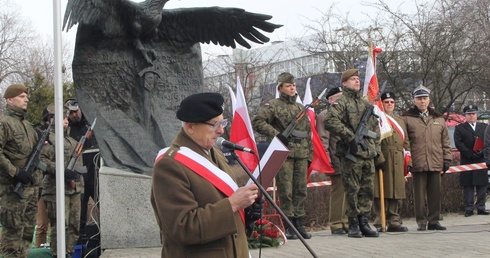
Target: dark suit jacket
(464,138)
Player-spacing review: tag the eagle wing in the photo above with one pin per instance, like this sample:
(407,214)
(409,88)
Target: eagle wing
(221,26)
(104,15)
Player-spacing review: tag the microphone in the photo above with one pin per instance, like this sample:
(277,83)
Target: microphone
(221,142)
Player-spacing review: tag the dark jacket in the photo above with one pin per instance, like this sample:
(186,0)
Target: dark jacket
(464,139)
(195,218)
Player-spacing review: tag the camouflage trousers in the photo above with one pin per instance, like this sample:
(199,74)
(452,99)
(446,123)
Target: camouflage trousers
(291,187)
(358,180)
(18,218)
(72,220)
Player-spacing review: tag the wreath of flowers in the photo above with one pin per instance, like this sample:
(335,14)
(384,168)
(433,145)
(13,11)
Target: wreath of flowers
(265,234)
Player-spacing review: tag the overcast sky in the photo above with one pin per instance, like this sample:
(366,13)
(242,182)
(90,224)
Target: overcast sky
(290,13)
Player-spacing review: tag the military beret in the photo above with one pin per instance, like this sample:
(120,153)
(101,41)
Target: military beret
(284,77)
(349,73)
(333,91)
(421,91)
(470,109)
(388,95)
(200,107)
(15,90)
(72,104)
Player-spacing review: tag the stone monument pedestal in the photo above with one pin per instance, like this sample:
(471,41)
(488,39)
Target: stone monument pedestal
(126,216)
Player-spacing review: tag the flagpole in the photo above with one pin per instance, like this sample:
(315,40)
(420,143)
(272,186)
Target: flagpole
(59,147)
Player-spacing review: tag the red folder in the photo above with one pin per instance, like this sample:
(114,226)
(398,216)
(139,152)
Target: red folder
(478,147)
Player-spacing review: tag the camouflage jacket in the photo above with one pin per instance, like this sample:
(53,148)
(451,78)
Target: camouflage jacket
(342,120)
(48,156)
(17,140)
(276,115)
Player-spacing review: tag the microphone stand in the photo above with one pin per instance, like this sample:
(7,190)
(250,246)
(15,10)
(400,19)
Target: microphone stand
(269,198)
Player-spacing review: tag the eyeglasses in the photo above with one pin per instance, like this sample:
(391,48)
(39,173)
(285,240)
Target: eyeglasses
(218,124)
(389,102)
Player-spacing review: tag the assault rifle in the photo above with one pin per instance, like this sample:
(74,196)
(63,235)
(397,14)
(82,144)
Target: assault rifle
(290,128)
(75,154)
(34,160)
(362,132)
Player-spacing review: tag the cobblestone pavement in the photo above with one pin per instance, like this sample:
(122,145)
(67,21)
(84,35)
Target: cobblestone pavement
(464,237)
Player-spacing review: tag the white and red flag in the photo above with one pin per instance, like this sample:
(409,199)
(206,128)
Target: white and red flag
(241,131)
(321,161)
(371,91)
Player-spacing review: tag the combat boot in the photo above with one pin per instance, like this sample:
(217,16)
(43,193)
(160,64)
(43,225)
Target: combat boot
(298,223)
(365,228)
(354,230)
(289,232)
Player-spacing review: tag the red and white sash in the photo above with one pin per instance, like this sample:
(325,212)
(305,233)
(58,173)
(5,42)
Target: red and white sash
(406,154)
(206,169)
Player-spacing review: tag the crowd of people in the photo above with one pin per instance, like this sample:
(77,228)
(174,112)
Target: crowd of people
(28,176)
(200,208)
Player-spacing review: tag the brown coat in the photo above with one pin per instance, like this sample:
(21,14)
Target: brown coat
(429,141)
(393,176)
(195,218)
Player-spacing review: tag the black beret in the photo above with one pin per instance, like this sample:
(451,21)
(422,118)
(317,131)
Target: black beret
(333,91)
(388,95)
(470,109)
(200,107)
(15,90)
(349,73)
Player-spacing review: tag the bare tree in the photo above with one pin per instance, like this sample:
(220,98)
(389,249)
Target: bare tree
(438,45)
(15,36)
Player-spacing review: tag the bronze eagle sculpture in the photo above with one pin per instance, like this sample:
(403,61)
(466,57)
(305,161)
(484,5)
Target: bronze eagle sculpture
(147,20)
(135,62)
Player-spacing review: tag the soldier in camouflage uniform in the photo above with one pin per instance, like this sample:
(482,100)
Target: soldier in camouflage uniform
(73,185)
(342,120)
(17,140)
(270,121)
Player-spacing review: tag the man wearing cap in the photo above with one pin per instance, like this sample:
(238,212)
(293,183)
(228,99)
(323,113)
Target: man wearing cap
(197,204)
(431,155)
(73,185)
(78,126)
(338,221)
(17,140)
(271,120)
(465,137)
(357,176)
(393,148)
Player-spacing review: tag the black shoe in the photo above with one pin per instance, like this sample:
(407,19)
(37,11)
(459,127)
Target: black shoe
(290,235)
(365,228)
(338,231)
(398,229)
(378,227)
(436,226)
(298,223)
(421,227)
(483,212)
(468,213)
(354,230)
